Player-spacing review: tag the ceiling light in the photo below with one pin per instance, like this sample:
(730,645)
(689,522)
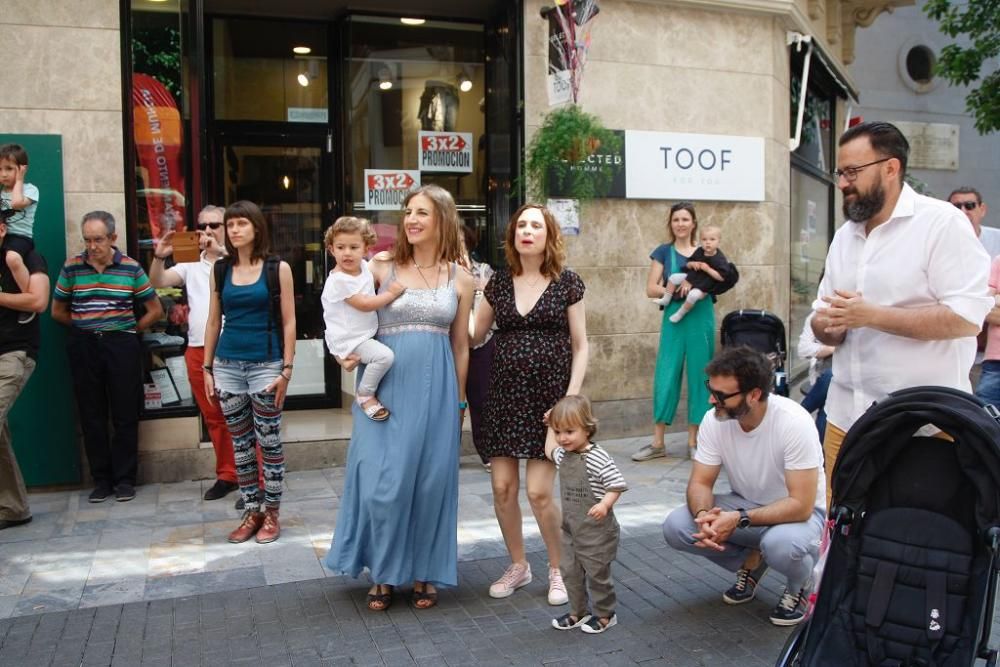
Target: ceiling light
(384,78)
(465,84)
(302,50)
(303,80)
(286,182)
(411,21)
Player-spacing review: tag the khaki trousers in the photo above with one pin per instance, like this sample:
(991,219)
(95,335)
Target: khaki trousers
(15,369)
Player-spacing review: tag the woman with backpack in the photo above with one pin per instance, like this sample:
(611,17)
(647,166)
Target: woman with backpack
(249,365)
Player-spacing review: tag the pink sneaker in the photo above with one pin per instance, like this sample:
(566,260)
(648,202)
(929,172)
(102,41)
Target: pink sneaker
(557,589)
(515,576)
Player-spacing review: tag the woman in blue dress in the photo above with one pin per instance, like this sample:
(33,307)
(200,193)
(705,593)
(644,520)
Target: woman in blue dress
(398,515)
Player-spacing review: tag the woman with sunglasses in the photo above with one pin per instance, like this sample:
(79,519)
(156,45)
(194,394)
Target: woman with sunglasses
(690,341)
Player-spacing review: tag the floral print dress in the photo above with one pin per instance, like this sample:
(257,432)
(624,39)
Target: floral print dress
(531,369)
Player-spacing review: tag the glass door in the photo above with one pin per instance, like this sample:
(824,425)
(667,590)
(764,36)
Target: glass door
(289,177)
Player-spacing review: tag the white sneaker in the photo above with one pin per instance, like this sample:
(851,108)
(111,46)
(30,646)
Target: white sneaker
(514,577)
(557,589)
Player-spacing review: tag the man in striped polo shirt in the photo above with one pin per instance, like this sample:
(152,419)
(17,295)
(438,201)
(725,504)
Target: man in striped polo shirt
(95,297)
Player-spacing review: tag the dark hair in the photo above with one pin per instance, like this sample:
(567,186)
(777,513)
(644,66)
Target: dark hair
(885,138)
(751,369)
(555,253)
(261,230)
(966,190)
(470,236)
(14,152)
(102,216)
(683,206)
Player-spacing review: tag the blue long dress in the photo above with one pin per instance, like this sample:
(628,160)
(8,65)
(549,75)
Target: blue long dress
(398,513)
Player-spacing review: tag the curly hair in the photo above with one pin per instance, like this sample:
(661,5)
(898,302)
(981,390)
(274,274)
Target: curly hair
(347,224)
(751,369)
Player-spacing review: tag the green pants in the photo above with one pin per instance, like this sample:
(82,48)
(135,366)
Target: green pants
(691,341)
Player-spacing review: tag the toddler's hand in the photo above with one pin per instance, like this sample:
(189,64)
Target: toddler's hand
(598,511)
(397,288)
(22,169)
(348,363)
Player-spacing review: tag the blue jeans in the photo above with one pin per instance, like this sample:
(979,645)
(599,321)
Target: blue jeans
(989,383)
(815,401)
(244,377)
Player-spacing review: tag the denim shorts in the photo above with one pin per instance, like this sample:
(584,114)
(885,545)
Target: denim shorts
(244,377)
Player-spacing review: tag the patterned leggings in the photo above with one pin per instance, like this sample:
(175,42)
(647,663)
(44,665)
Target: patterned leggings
(253,419)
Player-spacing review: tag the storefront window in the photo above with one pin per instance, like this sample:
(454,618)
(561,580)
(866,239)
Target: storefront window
(269,70)
(811,199)
(161,138)
(416,115)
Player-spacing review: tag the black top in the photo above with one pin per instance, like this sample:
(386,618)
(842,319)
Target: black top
(701,279)
(16,337)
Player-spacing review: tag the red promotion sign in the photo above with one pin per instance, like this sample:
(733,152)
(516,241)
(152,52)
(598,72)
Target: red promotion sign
(385,189)
(446,152)
(159,142)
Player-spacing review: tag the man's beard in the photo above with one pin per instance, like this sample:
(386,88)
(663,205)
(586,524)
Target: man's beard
(724,414)
(865,205)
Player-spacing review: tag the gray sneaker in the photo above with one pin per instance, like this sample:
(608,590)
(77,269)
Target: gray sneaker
(649,452)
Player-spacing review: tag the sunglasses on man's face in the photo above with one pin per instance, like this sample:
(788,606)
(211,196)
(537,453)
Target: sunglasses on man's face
(208,225)
(967,205)
(720,396)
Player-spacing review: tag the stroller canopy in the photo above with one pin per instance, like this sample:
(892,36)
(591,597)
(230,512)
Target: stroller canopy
(875,440)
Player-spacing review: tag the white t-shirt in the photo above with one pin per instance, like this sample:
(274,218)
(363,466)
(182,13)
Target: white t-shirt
(756,462)
(346,326)
(196,281)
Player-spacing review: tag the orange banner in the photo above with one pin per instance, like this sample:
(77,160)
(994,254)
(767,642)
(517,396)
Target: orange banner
(159,138)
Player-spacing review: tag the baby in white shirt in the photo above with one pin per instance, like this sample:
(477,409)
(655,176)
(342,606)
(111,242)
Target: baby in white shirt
(349,305)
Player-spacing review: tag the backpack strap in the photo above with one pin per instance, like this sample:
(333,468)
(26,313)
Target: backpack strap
(219,269)
(271,266)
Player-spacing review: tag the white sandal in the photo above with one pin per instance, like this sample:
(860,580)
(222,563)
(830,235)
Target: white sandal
(376,411)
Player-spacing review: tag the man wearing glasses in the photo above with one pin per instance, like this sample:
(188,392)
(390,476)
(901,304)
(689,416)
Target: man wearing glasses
(194,276)
(96,296)
(775,511)
(969,201)
(905,287)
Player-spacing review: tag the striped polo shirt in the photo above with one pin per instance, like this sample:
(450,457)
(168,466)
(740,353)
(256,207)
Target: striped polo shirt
(103,301)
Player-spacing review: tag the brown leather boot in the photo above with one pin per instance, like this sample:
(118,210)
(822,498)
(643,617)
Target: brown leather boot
(270,531)
(252,522)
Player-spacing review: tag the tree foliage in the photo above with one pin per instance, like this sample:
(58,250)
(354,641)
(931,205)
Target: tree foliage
(979,22)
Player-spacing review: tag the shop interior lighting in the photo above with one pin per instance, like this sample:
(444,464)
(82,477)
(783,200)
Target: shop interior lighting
(464,81)
(286,182)
(309,72)
(384,78)
(302,79)
(412,21)
(302,50)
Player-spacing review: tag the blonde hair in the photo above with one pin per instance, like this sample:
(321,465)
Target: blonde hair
(710,227)
(347,224)
(574,410)
(449,234)
(555,254)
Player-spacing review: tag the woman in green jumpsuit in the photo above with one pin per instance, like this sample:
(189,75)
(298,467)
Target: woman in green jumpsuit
(690,341)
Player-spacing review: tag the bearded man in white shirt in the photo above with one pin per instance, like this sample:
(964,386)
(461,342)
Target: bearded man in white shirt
(905,287)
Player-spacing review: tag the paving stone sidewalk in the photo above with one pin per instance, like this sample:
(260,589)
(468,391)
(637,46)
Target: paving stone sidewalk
(669,608)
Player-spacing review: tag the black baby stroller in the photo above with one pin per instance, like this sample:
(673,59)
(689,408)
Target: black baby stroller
(764,332)
(911,572)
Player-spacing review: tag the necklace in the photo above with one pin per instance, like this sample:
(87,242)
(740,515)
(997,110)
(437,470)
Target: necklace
(437,277)
(534,282)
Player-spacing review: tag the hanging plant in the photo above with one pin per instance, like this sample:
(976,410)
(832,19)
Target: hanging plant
(556,157)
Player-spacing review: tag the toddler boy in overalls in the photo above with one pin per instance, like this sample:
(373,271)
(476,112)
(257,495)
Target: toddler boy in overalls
(590,483)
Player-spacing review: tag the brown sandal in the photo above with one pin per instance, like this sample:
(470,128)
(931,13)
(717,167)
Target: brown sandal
(379,601)
(423,598)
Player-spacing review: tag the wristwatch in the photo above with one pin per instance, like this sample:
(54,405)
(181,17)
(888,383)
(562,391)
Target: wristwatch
(744,521)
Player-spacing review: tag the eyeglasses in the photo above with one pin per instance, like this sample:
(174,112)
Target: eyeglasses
(967,205)
(719,396)
(851,173)
(202,226)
